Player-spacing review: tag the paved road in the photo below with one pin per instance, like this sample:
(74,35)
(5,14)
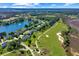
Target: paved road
(28,48)
(9,40)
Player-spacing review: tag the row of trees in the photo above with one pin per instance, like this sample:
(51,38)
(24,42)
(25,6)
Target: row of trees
(4,34)
(66,36)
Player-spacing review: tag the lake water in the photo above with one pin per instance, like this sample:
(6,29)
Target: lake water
(13,27)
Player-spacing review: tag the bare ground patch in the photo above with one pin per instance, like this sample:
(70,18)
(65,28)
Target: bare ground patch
(74,45)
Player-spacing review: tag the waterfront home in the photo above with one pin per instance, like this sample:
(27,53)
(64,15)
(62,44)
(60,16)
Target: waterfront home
(29,20)
(32,31)
(0,34)
(4,44)
(25,37)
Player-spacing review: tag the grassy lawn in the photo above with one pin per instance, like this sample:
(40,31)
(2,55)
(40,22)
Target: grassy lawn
(51,43)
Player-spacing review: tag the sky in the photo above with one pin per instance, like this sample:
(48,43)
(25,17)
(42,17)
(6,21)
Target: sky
(39,5)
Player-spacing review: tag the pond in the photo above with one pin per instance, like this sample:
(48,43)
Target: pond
(13,27)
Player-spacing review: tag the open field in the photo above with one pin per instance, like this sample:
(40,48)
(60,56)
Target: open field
(51,43)
(72,16)
(74,44)
(74,24)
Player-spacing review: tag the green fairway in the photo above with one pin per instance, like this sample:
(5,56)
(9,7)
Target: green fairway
(51,42)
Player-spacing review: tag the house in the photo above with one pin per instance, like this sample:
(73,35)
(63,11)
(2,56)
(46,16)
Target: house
(29,20)
(51,22)
(34,30)
(0,34)
(4,45)
(25,37)
(30,33)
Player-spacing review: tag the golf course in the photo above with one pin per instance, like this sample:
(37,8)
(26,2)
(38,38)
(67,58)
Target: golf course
(49,41)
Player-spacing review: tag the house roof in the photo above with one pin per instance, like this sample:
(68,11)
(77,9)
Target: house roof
(4,44)
(0,34)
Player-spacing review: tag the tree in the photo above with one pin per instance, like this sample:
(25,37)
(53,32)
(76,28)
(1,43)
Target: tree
(34,36)
(65,34)
(9,48)
(12,45)
(1,37)
(26,26)
(16,35)
(4,33)
(29,41)
(11,33)
(9,38)
(1,50)
(29,53)
(22,52)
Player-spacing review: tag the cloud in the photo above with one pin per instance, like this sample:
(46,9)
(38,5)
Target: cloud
(52,5)
(22,4)
(36,3)
(25,4)
(18,7)
(68,4)
(3,6)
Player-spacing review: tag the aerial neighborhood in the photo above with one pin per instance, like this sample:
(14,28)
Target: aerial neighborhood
(39,32)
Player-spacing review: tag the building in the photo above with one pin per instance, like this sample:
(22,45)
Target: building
(25,37)
(4,45)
